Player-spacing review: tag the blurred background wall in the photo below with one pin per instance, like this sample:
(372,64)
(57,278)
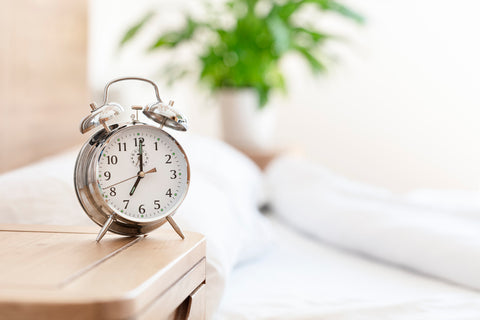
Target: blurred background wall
(400,108)
(43,78)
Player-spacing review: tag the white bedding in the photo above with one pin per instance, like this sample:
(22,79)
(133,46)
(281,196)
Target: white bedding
(301,278)
(434,236)
(225,188)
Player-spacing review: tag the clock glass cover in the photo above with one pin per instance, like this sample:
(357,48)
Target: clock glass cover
(142,173)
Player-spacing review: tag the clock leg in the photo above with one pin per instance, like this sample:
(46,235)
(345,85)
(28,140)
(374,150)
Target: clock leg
(175,227)
(105,227)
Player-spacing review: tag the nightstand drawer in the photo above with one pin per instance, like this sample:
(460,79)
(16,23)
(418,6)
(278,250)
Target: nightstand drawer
(176,302)
(197,303)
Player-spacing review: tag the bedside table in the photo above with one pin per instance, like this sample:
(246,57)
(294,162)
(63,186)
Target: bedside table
(53,272)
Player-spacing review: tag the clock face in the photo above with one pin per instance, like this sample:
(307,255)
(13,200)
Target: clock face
(142,173)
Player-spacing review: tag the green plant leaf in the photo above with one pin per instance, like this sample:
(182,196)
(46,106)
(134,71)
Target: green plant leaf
(262,92)
(281,34)
(136,28)
(316,65)
(286,10)
(312,34)
(174,38)
(346,12)
(339,8)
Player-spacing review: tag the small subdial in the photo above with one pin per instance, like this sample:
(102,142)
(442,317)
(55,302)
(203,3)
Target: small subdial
(135,157)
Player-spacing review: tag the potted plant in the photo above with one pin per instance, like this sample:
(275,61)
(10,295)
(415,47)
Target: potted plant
(240,61)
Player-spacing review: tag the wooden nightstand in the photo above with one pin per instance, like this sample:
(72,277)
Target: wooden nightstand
(52,272)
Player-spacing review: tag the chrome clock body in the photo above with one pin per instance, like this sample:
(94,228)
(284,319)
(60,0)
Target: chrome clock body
(96,185)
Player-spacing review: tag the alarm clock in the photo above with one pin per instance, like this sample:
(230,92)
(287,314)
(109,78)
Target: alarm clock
(130,178)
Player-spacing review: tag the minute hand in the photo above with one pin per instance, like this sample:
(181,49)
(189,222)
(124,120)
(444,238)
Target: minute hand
(141,156)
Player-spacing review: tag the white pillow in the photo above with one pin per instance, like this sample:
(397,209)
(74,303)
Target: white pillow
(221,204)
(42,193)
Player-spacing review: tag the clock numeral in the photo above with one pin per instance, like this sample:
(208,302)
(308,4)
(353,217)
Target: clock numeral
(113,192)
(169,193)
(126,203)
(107,175)
(156,204)
(112,160)
(169,158)
(141,209)
(156,146)
(174,174)
(122,146)
(139,140)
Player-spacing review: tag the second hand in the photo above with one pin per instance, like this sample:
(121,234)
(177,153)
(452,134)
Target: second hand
(149,171)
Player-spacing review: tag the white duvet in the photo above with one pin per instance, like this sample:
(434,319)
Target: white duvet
(432,232)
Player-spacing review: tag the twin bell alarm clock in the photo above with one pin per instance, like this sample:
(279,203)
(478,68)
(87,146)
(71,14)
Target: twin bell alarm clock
(130,178)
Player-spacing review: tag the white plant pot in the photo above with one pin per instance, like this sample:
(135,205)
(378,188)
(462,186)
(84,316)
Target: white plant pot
(244,125)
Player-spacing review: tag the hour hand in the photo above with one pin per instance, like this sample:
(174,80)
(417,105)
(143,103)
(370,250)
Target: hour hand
(135,185)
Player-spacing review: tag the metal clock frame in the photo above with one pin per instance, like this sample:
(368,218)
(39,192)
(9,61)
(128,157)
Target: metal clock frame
(85,176)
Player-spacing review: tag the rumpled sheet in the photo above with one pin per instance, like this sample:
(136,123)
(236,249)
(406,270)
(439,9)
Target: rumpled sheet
(413,230)
(302,278)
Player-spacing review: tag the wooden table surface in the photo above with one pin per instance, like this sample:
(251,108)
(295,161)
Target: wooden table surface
(52,272)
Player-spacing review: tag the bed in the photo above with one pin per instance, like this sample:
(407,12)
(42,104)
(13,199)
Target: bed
(308,258)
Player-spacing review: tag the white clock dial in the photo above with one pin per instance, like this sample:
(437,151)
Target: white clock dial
(142,173)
